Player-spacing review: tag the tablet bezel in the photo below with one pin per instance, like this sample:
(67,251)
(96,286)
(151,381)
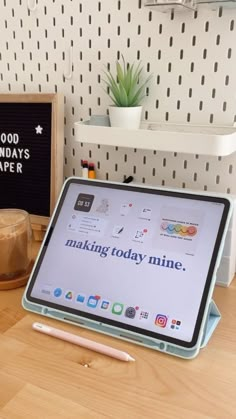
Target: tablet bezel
(210,280)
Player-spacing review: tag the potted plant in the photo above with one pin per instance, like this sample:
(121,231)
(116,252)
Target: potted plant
(127,90)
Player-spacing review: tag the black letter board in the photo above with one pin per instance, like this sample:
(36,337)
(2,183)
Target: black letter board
(31,157)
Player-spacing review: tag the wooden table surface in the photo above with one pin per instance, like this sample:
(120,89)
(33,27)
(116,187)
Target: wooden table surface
(42,377)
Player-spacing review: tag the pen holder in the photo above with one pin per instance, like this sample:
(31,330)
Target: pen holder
(15,248)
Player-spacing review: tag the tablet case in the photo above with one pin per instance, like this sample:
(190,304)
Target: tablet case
(210,319)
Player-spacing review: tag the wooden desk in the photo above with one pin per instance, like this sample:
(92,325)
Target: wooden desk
(42,377)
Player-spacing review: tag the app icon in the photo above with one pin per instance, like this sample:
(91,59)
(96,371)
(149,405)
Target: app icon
(146,213)
(143,315)
(140,235)
(130,312)
(117,308)
(117,230)
(103,207)
(69,295)
(72,223)
(93,301)
(175,324)
(57,292)
(161,320)
(125,208)
(47,290)
(105,304)
(80,298)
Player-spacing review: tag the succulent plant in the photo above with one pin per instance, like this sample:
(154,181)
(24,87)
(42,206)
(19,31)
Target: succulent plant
(125,88)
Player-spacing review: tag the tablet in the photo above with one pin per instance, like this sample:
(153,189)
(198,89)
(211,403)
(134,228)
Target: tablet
(135,262)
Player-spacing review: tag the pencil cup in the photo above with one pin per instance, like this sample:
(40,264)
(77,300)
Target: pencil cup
(15,246)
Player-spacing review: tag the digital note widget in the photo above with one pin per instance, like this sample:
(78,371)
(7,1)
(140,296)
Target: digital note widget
(87,225)
(179,230)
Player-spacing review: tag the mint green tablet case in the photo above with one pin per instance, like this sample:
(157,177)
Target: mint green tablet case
(210,319)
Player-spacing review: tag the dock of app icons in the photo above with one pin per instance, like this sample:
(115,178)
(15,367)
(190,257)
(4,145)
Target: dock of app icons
(117,308)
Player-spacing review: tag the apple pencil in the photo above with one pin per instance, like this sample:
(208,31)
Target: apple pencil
(85,343)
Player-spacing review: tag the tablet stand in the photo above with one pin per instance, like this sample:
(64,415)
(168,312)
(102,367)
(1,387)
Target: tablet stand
(212,320)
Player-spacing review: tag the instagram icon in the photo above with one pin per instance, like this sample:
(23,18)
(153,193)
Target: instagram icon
(161,320)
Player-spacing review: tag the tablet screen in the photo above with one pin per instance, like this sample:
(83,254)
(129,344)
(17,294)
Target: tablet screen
(137,258)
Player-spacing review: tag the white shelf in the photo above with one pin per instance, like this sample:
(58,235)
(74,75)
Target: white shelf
(206,140)
(182,5)
(165,5)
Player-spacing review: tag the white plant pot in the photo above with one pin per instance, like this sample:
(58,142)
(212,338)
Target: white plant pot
(129,117)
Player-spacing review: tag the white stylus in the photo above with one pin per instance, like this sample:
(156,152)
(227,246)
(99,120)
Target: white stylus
(85,343)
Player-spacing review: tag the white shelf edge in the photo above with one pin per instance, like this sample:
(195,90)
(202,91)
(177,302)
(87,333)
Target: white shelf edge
(191,139)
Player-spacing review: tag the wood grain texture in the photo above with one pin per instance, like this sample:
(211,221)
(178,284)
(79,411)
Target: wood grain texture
(42,377)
